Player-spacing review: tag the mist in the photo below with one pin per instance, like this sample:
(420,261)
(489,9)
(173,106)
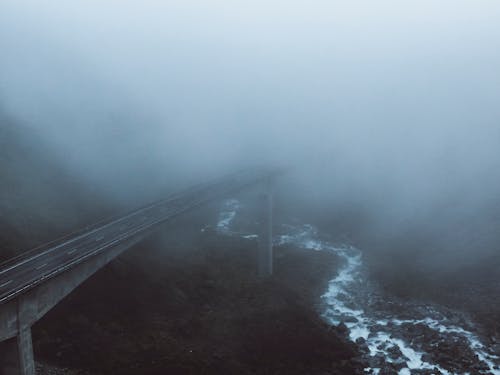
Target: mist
(386,108)
(377,251)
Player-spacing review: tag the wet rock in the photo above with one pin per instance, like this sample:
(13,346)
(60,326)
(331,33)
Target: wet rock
(382,346)
(399,363)
(360,341)
(342,328)
(362,345)
(388,369)
(481,366)
(377,361)
(495,348)
(394,352)
(426,357)
(350,319)
(434,371)
(376,328)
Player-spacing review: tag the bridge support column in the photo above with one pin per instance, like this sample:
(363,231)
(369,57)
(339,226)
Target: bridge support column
(25,349)
(265,256)
(26,315)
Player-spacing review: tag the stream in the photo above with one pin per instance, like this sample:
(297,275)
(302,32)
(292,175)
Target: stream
(396,336)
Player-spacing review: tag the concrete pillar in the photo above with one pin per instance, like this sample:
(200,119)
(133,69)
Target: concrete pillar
(265,256)
(26,314)
(25,348)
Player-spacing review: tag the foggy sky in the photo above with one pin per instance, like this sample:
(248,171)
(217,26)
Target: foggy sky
(390,104)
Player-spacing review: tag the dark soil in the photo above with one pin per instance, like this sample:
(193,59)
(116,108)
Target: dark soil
(171,307)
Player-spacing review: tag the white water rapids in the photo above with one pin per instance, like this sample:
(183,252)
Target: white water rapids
(404,337)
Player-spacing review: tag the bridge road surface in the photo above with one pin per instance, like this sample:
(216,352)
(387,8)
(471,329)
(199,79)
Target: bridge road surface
(30,269)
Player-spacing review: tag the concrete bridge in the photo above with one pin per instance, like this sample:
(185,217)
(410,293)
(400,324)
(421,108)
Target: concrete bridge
(34,282)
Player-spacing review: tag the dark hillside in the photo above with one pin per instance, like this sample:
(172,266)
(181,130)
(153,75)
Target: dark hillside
(39,200)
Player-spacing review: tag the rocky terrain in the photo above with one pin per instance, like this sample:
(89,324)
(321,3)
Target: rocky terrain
(168,307)
(396,335)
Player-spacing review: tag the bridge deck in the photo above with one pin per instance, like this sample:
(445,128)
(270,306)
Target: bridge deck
(24,272)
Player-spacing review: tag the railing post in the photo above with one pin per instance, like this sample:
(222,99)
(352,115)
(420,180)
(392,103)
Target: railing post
(265,256)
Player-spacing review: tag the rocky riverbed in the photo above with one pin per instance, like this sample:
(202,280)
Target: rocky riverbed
(397,336)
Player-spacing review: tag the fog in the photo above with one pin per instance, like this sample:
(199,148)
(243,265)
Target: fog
(385,107)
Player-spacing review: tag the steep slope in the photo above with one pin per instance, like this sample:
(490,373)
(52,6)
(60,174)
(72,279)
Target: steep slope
(39,200)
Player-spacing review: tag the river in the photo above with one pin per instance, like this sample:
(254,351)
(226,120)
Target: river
(396,336)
